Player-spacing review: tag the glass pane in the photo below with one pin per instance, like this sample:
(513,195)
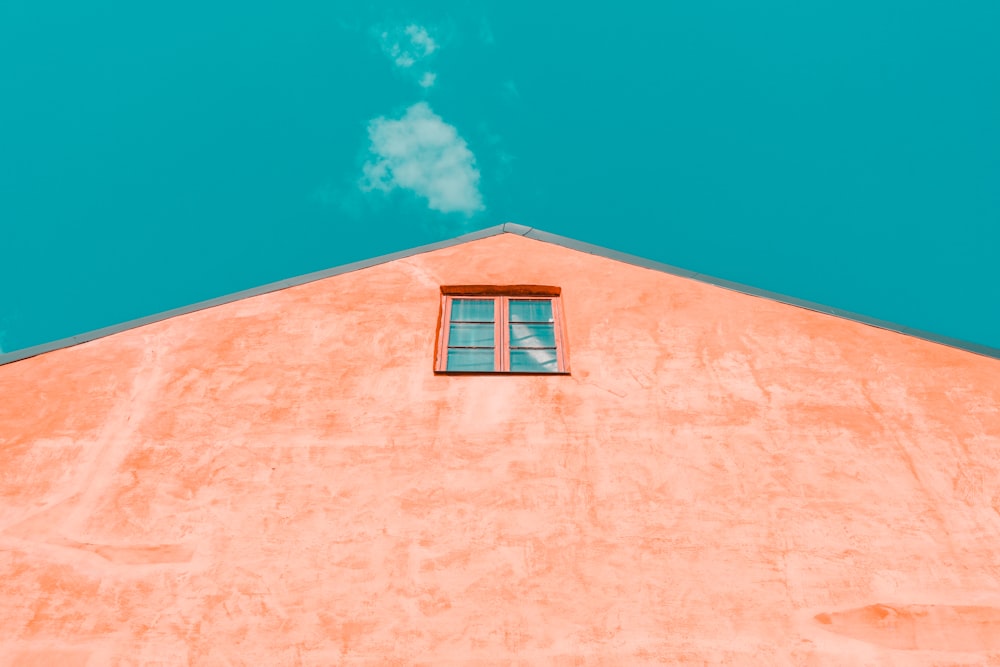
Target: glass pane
(472,310)
(543,361)
(530,310)
(470,335)
(470,360)
(532,335)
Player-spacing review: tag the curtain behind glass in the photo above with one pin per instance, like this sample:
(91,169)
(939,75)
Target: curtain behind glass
(471,341)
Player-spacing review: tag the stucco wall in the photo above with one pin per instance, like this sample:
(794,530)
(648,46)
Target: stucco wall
(283,480)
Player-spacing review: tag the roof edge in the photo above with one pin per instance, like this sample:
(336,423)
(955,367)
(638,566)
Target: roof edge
(103,332)
(495,230)
(968,346)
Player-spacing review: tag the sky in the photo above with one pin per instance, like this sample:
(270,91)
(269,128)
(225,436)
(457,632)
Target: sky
(154,155)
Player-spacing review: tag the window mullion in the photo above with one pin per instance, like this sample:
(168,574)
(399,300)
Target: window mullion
(502,336)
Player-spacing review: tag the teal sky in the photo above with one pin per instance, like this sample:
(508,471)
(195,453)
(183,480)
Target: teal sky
(153,155)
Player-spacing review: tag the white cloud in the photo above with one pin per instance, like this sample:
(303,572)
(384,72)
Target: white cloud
(428,79)
(408,45)
(422,153)
(421,39)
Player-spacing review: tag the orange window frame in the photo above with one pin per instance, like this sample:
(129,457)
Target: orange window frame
(501,295)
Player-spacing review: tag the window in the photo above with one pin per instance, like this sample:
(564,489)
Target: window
(501,329)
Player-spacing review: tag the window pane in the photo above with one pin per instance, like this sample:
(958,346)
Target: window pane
(532,335)
(543,361)
(530,310)
(470,335)
(472,310)
(470,360)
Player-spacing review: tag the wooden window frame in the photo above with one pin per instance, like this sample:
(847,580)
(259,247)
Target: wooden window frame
(501,296)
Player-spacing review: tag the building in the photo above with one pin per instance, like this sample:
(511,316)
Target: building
(703,474)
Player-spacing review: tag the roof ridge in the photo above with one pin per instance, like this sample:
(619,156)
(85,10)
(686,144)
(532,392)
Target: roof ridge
(495,230)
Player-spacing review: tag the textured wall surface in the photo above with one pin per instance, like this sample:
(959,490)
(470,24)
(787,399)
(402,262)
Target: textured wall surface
(283,480)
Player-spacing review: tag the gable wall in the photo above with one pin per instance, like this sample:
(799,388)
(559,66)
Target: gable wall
(283,480)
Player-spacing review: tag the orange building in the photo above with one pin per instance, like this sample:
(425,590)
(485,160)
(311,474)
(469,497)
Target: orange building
(637,466)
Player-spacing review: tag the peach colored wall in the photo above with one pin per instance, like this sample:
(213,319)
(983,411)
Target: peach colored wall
(283,481)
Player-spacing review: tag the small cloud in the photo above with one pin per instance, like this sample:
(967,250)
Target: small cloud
(422,153)
(407,46)
(420,39)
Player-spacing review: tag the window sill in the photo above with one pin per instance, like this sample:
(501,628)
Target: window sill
(437,372)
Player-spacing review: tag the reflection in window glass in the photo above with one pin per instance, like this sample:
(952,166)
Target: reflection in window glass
(470,335)
(538,361)
(531,310)
(532,335)
(472,310)
(470,359)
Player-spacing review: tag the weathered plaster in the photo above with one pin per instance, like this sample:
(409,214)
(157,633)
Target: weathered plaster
(283,480)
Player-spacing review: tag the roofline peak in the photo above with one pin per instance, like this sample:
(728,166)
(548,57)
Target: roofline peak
(487,232)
